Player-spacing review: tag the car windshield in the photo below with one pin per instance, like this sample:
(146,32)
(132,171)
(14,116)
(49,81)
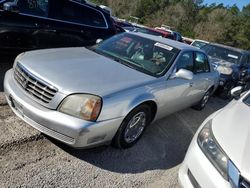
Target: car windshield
(225,54)
(199,44)
(143,54)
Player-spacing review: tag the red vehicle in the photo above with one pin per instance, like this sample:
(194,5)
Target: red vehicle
(156,32)
(165,34)
(176,36)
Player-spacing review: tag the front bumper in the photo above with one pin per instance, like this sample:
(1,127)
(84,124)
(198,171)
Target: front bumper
(225,83)
(70,130)
(224,79)
(203,173)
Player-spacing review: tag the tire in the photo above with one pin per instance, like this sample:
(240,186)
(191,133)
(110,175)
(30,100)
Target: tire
(137,120)
(203,102)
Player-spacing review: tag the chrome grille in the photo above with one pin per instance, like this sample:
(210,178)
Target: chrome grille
(34,86)
(244,184)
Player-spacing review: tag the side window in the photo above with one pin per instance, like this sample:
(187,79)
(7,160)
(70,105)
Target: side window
(78,13)
(201,63)
(34,7)
(186,61)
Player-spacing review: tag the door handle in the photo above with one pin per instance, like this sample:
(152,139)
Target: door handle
(191,84)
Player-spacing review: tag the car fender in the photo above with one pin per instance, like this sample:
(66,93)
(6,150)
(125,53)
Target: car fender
(140,99)
(214,82)
(122,105)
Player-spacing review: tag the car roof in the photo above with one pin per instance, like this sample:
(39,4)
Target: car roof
(173,43)
(229,47)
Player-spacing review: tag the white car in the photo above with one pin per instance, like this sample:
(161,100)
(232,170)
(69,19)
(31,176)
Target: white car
(199,43)
(219,154)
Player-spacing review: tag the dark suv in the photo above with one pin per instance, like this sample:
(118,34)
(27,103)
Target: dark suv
(36,24)
(233,65)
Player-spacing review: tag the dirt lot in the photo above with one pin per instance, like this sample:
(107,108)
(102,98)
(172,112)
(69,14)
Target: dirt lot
(30,159)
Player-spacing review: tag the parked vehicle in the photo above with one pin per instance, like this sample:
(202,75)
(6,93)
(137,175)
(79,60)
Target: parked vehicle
(199,43)
(111,92)
(188,40)
(218,155)
(37,24)
(155,32)
(122,22)
(233,65)
(176,36)
(129,29)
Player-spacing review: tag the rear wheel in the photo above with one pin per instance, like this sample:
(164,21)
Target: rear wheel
(132,127)
(203,102)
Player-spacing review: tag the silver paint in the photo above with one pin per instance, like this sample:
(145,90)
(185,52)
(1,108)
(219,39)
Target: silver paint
(79,70)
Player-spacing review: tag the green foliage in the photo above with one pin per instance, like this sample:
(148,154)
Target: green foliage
(215,23)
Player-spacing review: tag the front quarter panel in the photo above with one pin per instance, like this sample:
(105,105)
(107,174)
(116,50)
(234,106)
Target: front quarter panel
(121,103)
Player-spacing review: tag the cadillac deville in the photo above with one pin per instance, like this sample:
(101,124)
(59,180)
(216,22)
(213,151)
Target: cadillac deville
(108,93)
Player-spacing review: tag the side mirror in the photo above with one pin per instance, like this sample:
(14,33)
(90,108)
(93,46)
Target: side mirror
(183,73)
(10,7)
(98,41)
(235,92)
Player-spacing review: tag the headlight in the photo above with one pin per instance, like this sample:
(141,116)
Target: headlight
(212,150)
(225,70)
(215,66)
(82,106)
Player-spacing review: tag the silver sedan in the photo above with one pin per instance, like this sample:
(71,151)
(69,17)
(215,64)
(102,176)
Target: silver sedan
(109,92)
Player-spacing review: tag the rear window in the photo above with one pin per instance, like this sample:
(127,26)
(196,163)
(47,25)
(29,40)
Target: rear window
(201,63)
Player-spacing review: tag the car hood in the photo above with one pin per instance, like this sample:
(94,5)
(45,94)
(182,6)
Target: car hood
(218,62)
(79,70)
(231,129)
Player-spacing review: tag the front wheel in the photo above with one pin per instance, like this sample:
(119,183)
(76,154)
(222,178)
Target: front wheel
(203,102)
(132,127)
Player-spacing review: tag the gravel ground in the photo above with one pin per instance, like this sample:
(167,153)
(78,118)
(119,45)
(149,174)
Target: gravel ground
(30,159)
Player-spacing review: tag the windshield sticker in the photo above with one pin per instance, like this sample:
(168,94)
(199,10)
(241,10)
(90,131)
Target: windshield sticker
(126,39)
(169,48)
(233,56)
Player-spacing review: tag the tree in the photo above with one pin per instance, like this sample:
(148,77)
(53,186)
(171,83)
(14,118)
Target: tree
(215,22)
